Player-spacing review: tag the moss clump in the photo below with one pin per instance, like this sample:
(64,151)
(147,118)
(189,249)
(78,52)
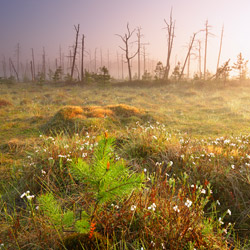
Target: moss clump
(68,119)
(72,119)
(5,103)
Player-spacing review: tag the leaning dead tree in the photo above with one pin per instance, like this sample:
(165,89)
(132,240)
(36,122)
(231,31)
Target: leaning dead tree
(188,54)
(125,40)
(222,71)
(77,28)
(170,33)
(221,38)
(13,67)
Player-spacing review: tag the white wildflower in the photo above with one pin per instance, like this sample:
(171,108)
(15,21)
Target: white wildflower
(188,203)
(133,207)
(153,206)
(203,191)
(218,202)
(154,137)
(145,170)
(30,197)
(232,166)
(229,212)
(221,222)
(176,209)
(170,163)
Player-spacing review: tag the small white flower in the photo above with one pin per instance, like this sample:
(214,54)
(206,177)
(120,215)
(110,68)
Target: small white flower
(170,163)
(133,207)
(43,172)
(154,137)
(232,166)
(229,212)
(145,170)
(221,222)
(50,158)
(66,146)
(37,207)
(203,191)
(218,202)
(153,206)
(84,155)
(24,194)
(30,197)
(69,159)
(153,244)
(188,203)
(182,156)
(176,209)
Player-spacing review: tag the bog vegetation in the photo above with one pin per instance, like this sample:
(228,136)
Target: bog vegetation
(132,165)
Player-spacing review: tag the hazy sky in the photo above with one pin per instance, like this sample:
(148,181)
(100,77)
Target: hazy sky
(49,23)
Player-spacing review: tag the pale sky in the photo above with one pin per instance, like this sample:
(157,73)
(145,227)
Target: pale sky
(50,23)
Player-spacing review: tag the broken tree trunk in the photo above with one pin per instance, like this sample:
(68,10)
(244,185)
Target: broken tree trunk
(77,28)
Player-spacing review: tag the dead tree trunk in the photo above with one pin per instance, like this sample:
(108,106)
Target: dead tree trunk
(139,51)
(95,60)
(77,28)
(44,64)
(13,67)
(218,62)
(199,50)
(118,68)
(170,30)
(82,64)
(122,67)
(188,54)
(4,67)
(126,39)
(32,71)
(18,58)
(33,62)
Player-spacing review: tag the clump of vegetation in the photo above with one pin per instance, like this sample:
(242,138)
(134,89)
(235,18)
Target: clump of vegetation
(75,118)
(5,103)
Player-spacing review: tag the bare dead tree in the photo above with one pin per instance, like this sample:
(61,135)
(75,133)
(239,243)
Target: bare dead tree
(108,60)
(32,71)
(125,40)
(224,69)
(95,59)
(4,67)
(118,68)
(122,67)
(44,63)
(33,62)
(101,57)
(18,57)
(139,51)
(82,64)
(77,28)
(13,67)
(221,38)
(188,54)
(199,52)
(170,33)
(207,33)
